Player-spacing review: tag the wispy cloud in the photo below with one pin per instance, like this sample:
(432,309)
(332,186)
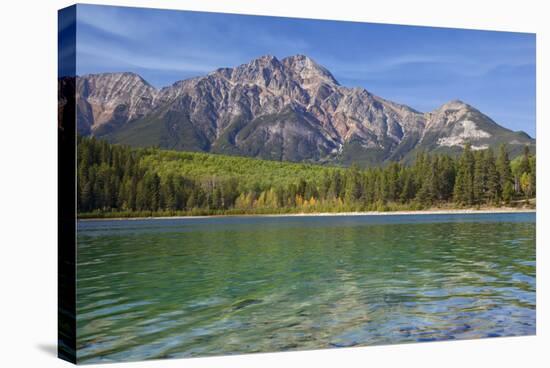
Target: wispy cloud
(121,46)
(111,20)
(122,57)
(178,41)
(451,64)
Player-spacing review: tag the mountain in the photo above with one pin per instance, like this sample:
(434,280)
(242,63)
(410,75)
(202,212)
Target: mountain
(291,109)
(456,123)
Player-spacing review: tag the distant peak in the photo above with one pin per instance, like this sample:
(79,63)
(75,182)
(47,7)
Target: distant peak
(118,76)
(265,59)
(455,105)
(299,57)
(114,74)
(130,74)
(304,65)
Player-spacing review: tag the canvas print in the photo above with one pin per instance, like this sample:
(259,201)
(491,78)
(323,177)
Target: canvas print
(235,184)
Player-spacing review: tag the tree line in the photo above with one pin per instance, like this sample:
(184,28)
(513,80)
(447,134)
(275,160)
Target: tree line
(124,181)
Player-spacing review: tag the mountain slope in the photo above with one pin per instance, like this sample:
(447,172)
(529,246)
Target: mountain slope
(456,123)
(291,109)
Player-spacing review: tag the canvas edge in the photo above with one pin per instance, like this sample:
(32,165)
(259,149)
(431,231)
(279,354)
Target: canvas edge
(66,176)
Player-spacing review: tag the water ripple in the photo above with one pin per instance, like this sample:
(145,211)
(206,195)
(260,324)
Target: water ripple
(178,288)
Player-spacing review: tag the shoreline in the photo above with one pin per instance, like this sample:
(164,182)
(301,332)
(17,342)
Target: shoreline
(466,211)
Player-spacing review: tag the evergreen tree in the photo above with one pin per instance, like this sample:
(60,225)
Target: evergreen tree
(447,175)
(381,188)
(524,166)
(119,178)
(463,191)
(192,200)
(142,197)
(353,190)
(408,190)
(493,190)
(168,193)
(508,192)
(505,174)
(479,183)
(428,187)
(393,182)
(335,185)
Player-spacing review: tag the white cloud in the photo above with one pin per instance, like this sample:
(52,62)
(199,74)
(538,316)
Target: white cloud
(135,59)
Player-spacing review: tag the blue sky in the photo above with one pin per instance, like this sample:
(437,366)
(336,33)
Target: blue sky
(422,67)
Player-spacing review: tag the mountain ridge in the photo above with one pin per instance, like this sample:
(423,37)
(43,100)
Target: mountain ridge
(291,109)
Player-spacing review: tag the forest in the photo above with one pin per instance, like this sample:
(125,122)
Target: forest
(120,181)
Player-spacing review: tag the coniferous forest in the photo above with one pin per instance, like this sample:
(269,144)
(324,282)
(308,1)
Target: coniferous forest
(120,181)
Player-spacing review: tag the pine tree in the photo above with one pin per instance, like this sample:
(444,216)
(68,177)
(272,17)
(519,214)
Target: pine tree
(408,190)
(393,182)
(86,197)
(492,194)
(324,187)
(154,188)
(335,185)
(142,196)
(381,188)
(508,192)
(217,198)
(428,188)
(168,193)
(480,178)
(119,178)
(463,191)
(192,200)
(524,166)
(353,190)
(133,193)
(505,174)
(369,188)
(446,177)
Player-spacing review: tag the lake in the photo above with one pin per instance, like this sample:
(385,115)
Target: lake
(159,288)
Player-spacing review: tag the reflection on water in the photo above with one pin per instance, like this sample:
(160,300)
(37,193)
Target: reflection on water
(177,288)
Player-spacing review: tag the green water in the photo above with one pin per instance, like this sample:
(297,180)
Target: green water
(194,287)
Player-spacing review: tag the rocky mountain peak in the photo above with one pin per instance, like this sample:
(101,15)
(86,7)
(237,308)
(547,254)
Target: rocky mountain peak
(263,62)
(260,71)
(106,85)
(307,69)
(112,97)
(449,114)
(284,109)
(454,105)
(266,60)
(118,77)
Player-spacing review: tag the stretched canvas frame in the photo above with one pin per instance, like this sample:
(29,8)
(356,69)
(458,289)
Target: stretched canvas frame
(503,204)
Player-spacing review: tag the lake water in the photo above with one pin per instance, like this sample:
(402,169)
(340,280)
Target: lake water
(152,289)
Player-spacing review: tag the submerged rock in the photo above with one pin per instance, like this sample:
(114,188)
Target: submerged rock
(343,344)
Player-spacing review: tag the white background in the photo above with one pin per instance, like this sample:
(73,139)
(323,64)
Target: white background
(28,180)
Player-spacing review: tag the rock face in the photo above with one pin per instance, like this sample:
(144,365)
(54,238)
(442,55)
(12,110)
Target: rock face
(111,99)
(291,109)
